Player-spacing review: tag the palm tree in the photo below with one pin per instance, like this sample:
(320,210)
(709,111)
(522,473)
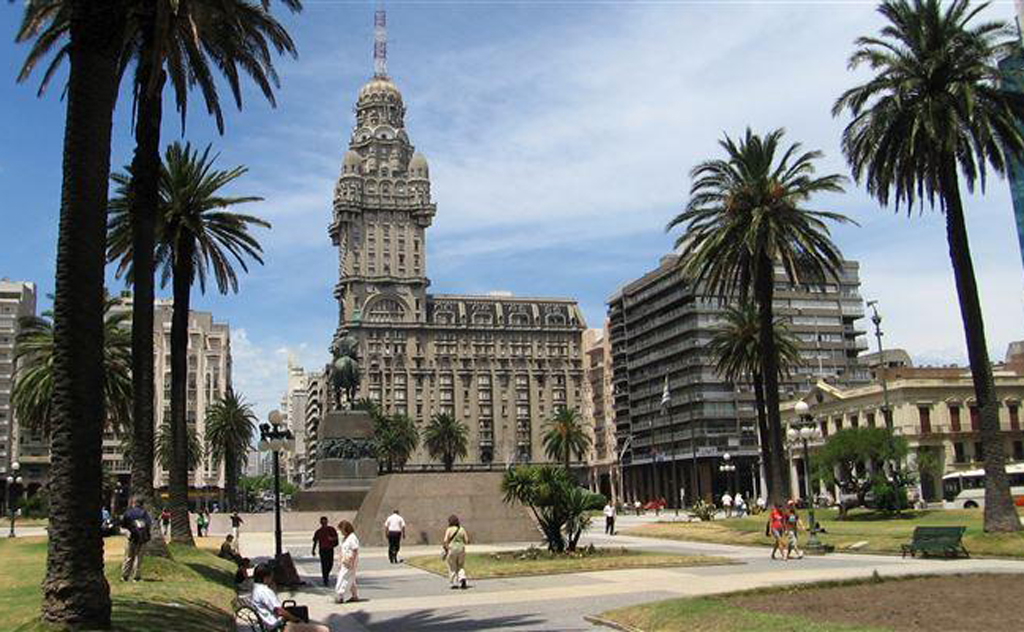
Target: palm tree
(933,106)
(446,439)
(566,434)
(230,426)
(744,217)
(75,592)
(178,40)
(736,344)
(197,237)
(32,393)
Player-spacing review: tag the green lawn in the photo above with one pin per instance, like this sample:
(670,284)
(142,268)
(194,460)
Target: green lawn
(522,562)
(883,534)
(194,589)
(714,614)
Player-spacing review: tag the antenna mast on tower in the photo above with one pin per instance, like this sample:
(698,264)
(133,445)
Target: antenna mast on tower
(380,42)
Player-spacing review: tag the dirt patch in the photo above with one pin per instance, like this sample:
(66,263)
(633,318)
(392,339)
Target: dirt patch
(967,603)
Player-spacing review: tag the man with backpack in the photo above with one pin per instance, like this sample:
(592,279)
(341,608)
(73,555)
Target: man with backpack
(139,526)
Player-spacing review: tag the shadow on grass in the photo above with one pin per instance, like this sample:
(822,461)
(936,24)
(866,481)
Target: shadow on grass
(133,615)
(432,621)
(215,574)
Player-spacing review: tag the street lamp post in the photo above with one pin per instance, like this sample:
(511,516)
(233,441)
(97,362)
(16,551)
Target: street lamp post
(728,468)
(876,318)
(276,439)
(12,480)
(799,435)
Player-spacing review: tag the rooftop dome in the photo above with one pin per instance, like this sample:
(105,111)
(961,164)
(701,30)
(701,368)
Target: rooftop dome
(418,166)
(379,88)
(351,163)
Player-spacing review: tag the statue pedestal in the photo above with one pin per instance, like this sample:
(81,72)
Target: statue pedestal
(340,483)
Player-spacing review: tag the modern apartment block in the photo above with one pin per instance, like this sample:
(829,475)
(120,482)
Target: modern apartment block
(659,326)
(17,300)
(293,414)
(599,413)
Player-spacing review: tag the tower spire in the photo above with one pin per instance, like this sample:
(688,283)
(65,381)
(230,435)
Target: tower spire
(380,42)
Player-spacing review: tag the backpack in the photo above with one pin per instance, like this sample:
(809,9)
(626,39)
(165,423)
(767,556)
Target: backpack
(138,531)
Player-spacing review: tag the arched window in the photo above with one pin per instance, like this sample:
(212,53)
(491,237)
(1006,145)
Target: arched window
(519,318)
(386,310)
(482,318)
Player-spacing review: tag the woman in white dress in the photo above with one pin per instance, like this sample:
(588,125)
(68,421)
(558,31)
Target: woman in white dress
(349,562)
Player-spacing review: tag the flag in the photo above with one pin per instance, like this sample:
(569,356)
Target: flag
(665,396)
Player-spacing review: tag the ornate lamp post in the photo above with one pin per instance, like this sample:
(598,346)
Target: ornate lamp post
(12,480)
(798,435)
(728,468)
(276,439)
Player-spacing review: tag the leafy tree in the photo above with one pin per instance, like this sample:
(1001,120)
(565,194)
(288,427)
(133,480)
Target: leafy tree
(934,111)
(566,434)
(197,237)
(737,346)
(746,215)
(855,459)
(394,437)
(446,439)
(230,426)
(75,592)
(560,507)
(32,393)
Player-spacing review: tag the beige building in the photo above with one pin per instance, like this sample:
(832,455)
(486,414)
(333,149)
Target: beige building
(17,300)
(293,415)
(933,408)
(499,363)
(599,412)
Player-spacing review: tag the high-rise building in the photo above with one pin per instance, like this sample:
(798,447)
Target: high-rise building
(675,417)
(293,414)
(599,413)
(499,363)
(17,300)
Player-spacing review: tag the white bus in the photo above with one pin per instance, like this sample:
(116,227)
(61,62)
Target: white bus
(966,490)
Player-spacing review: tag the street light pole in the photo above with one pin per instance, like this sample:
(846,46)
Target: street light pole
(876,318)
(13,480)
(807,430)
(275,439)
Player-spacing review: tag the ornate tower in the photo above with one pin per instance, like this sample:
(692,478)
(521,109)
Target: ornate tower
(382,208)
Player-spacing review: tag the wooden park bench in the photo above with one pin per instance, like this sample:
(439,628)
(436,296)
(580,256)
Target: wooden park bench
(246,615)
(946,541)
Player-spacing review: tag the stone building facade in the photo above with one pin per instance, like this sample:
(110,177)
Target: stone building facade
(29,450)
(659,326)
(499,363)
(599,412)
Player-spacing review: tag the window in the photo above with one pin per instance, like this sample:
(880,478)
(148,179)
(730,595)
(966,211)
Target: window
(1018,450)
(954,421)
(958,453)
(839,424)
(979,451)
(1014,416)
(871,420)
(925,415)
(974,418)
(854,420)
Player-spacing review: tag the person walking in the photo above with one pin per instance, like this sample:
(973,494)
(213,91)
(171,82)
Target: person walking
(793,525)
(454,544)
(139,526)
(727,504)
(394,531)
(326,538)
(349,563)
(609,518)
(739,505)
(636,506)
(762,504)
(202,524)
(236,525)
(774,529)
(267,606)
(165,523)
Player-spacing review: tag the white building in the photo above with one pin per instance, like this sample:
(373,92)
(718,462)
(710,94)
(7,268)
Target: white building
(17,300)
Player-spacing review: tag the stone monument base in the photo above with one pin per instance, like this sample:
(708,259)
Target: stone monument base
(341,482)
(426,499)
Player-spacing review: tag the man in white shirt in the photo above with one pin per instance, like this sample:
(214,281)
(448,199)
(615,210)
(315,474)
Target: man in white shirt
(727,504)
(609,519)
(394,531)
(268,607)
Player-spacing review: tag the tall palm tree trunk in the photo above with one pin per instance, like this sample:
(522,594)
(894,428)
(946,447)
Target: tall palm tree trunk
(75,591)
(145,201)
(181,530)
(230,478)
(762,429)
(1000,513)
(764,288)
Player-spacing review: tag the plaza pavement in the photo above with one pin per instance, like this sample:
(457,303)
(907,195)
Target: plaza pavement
(400,598)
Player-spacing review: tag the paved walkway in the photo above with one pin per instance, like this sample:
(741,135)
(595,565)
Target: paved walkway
(399,597)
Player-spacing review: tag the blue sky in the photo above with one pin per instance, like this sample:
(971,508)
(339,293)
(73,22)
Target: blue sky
(559,136)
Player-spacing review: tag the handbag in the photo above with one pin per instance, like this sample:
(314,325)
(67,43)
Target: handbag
(300,612)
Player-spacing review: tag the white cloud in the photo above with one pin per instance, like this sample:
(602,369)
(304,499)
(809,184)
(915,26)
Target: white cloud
(259,368)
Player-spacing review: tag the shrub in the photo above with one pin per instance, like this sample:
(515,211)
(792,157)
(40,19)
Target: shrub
(560,506)
(35,506)
(703,510)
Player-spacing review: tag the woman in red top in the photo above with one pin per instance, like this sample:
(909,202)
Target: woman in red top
(776,529)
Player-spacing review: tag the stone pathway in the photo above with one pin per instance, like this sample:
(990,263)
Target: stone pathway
(401,598)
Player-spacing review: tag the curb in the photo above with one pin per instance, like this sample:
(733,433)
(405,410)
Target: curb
(608,623)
